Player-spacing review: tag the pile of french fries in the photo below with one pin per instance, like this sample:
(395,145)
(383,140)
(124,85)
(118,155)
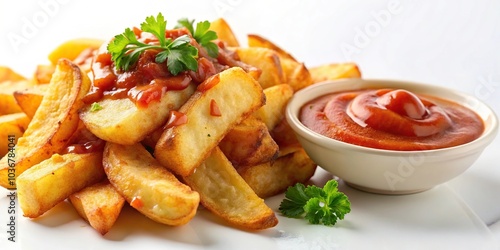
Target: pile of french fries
(226,163)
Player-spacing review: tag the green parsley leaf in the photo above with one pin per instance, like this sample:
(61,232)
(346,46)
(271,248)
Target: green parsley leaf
(95,107)
(202,35)
(180,55)
(324,205)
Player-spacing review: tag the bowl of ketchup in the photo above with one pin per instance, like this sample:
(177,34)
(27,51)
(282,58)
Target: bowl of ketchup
(388,136)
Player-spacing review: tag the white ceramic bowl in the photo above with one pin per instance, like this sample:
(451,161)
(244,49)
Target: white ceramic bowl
(389,171)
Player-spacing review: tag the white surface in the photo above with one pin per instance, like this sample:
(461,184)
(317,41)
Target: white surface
(448,43)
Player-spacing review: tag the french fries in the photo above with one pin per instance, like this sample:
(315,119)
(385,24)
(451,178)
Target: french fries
(271,178)
(12,125)
(99,204)
(334,71)
(54,122)
(30,98)
(249,143)
(224,143)
(55,179)
(227,195)
(147,186)
(224,32)
(121,121)
(182,148)
(266,60)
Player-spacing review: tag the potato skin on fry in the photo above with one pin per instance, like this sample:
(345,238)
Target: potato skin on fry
(54,122)
(147,186)
(184,147)
(53,180)
(99,204)
(227,195)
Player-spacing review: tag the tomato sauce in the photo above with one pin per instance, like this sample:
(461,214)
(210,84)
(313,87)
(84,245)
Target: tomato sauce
(391,119)
(147,81)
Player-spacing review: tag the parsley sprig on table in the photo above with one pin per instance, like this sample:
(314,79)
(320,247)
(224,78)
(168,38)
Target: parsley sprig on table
(321,205)
(180,54)
(202,35)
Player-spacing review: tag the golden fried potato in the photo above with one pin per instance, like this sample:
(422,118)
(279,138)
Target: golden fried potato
(147,186)
(12,125)
(122,121)
(8,104)
(272,178)
(183,147)
(334,71)
(228,196)
(284,135)
(7,74)
(249,143)
(276,99)
(99,204)
(73,48)
(29,99)
(259,41)
(53,180)
(296,74)
(54,122)
(267,61)
(43,73)
(224,32)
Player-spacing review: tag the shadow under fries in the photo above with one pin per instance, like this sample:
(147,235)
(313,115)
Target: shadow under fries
(63,213)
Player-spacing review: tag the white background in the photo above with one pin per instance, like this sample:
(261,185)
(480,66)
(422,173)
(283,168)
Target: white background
(449,43)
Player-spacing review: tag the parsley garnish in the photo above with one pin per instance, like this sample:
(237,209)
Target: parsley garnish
(202,35)
(180,55)
(321,205)
(95,107)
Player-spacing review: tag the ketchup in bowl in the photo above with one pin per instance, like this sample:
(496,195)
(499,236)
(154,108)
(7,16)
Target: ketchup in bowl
(392,119)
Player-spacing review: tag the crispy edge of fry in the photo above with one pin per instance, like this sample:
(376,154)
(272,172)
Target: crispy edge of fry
(272,178)
(274,110)
(99,204)
(224,192)
(224,32)
(54,122)
(30,99)
(182,148)
(249,143)
(147,186)
(334,71)
(53,180)
(71,49)
(267,60)
(12,125)
(255,40)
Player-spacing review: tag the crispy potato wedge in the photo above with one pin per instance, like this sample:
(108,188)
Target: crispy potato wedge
(8,104)
(122,121)
(249,143)
(147,186)
(266,60)
(259,41)
(224,32)
(283,135)
(334,71)
(53,180)
(12,125)
(272,178)
(7,74)
(184,147)
(29,99)
(54,122)
(99,205)
(276,99)
(228,196)
(71,49)
(43,73)
(296,74)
